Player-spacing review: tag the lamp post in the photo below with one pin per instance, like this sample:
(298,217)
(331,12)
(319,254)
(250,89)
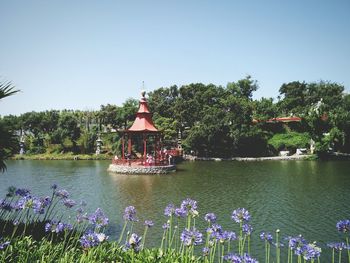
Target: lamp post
(98,144)
(21,145)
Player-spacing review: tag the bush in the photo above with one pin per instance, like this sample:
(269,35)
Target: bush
(289,141)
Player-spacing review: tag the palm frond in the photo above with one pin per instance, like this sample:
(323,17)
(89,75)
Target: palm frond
(7,89)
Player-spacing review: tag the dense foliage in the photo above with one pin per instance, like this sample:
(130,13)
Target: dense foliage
(212,121)
(8,140)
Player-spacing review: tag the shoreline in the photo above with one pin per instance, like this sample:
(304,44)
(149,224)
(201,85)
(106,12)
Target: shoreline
(94,157)
(252,159)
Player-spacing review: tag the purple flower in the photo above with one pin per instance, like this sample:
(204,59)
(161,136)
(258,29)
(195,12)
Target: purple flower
(226,236)
(81,217)
(130,214)
(189,205)
(210,218)
(311,251)
(343,226)
(338,246)
(166,226)
(24,202)
(134,242)
(247,229)
(57,227)
(4,245)
(38,206)
(62,193)
(148,223)
(98,219)
(191,237)
(205,251)
(297,244)
(240,215)
(179,212)
(169,210)
(54,186)
(6,206)
(22,192)
(234,258)
(215,230)
(92,239)
(69,203)
(266,237)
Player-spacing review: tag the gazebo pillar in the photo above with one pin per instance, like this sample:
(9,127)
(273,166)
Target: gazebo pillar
(123,147)
(129,145)
(144,147)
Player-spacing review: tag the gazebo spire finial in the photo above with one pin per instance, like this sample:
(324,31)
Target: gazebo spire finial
(143,92)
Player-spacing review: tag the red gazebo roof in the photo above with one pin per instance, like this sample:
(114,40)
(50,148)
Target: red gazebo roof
(143,121)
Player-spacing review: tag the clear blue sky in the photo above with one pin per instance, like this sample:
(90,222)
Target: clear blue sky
(81,54)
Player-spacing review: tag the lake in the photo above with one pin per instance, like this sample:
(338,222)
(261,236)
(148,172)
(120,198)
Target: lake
(297,197)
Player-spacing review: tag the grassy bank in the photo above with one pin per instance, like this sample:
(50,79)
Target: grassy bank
(62,156)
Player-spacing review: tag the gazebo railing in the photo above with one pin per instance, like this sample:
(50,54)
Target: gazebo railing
(140,162)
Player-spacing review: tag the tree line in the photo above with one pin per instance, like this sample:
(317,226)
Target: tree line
(220,121)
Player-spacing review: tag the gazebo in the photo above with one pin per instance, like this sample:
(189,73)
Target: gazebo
(151,158)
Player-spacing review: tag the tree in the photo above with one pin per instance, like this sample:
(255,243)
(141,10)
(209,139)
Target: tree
(8,140)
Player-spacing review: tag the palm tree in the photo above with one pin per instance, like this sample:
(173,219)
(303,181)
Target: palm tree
(8,140)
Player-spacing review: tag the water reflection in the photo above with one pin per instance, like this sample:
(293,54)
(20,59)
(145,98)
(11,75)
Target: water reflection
(306,197)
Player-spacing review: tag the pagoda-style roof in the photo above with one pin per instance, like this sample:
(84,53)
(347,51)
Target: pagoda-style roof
(143,121)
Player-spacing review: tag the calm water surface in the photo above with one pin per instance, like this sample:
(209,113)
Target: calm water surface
(298,197)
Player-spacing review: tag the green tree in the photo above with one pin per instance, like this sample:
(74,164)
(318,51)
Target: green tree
(8,140)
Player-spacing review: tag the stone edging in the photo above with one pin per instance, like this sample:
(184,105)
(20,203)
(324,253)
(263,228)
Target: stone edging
(125,169)
(278,158)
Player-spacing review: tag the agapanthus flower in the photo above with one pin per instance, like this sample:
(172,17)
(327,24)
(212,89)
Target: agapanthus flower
(92,239)
(189,205)
(230,235)
(69,202)
(338,246)
(191,237)
(81,216)
(22,192)
(181,213)
(240,215)
(166,226)
(296,244)
(38,206)
(4,245)
(235,258)
(266,237)
(225,236)
(6,206)
(62,193)
(134,242)
(247,229)
(57,227)
(205,251)
(214,230)
(130,214)
(210,218)
(169,210)
(148,223)
(98,218)
(24,202)
(311,251)
(343,226)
